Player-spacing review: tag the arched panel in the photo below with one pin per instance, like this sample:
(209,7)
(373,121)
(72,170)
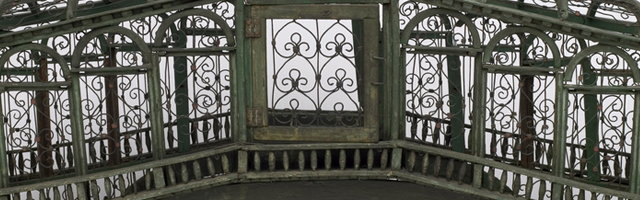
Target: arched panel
(111,65)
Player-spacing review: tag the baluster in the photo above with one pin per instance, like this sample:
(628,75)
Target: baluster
(70,156)
(216,129)
(342,159)
(169,138)
(528,188)
(462,172)
(12,164)
(21,163)
(383,159)
(581,195)
(568,193)
(550,154)
(227,127)
(516,185)
(314,160)
(42,195)
(103,152)
(370,159)
(492,176)
(16,196)
(172,175)
(197,172)
(29,195)
(356,160)
(594,196)
(272,161)
(225,164)
(436,166)
(194,132)
(107,187)
(59,159)
(285,160)
(607,197)
(158,178)
(425,129)
(127,146)
(425,163)
(256,161)
(147,180)
(34,162)
(301,160)
(121,186)
(211,167)
(414,127)
(542,190)
(447,136)
(94,190)
(450,168)
(436,133)
(327,159)
(184,172)
(147,140)
(206,128)
(134,183)
(139,142)
(411,161)
(503,181)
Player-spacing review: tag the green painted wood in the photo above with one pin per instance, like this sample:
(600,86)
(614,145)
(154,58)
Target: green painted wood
(560,134)
(456,98)
(315,12)
(155,111)
(634,180)
(288,2)
(181,94)
(239,72)
(478,129)
(4,174)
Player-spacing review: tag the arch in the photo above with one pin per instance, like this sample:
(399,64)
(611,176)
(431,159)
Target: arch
(514,30)
(142,45)
(631,5)
(168,22)
(37,47)
(406,33)
(602,48)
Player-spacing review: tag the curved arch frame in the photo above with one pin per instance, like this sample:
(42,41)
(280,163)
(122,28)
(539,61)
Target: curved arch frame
(37,47)
(406,33)
(140,43)
(168,22)
(515,30)
(571,67)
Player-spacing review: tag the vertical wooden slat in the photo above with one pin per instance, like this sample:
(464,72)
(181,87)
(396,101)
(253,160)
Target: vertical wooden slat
(462,172)
(121,186)
(384,159)
(197,172)
(327,159)
(285,160)
(272,161)
(342,159)
(314,160)
(542,190)
(411,161)
(225,164)
(492,176)
(478,129)
(516,184)
(301,160)
(172,175)
(243,162)
(528,188)
(370,159)
(425,163)
(436,166)
(211,167)
(94,190)
(503,181)
(256,161)
(450,168)
(147,179)
(356,160)
(184,172)
(107,187)
(560,134)
(156,110)
(158,178)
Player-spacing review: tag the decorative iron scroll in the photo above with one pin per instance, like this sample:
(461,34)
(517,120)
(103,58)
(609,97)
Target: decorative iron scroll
(313,71)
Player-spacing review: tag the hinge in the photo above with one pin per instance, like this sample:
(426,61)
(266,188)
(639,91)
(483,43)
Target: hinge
(252,28)
(254,117)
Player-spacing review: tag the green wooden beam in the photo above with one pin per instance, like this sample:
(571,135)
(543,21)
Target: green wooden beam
(181,93)
(456,110)
(288,2)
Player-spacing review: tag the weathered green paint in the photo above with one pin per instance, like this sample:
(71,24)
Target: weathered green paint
(155,109)
(4,174)
(634,181)
(560,134)
(181,94)
(456,110)
(478,129)
(239,90)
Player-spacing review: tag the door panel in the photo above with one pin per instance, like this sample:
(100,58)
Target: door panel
(313,73)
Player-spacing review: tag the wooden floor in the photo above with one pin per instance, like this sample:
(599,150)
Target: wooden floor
(320,190)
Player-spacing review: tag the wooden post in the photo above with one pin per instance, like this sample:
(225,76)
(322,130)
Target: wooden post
(44,136)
